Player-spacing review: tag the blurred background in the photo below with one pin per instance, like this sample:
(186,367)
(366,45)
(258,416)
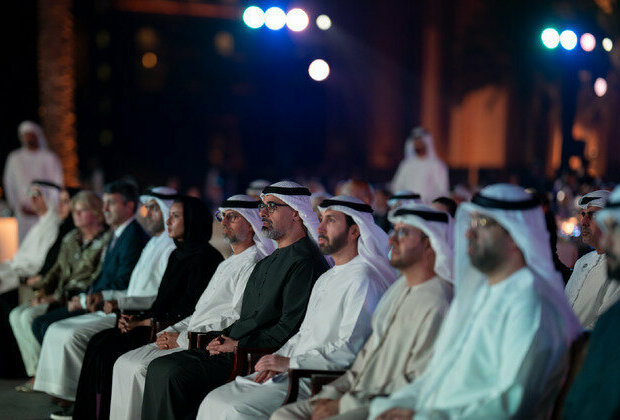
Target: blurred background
(187,93)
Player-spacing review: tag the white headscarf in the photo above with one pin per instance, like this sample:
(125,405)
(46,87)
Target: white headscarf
(247,207)
(438,226)
(372,244)
(404,198)
(611,209)
(593,199)
(164,197)
(298,197)
(421,134)
(30,126)
(520,214)
(50,192)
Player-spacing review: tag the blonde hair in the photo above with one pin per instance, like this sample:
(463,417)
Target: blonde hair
(91,201)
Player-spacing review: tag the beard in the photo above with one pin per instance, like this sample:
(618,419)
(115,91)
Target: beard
(485,259)
(153,227)
(270,232)
(233,238)
(333,246)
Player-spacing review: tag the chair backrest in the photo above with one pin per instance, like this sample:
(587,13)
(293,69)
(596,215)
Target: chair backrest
(578,350)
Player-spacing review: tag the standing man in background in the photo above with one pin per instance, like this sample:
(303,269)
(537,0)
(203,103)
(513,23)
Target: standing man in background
(31,161)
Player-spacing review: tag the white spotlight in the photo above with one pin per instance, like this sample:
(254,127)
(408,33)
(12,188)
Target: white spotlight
(323,22)
(600,87)
(318,70)
(254,17)
(568,40)
(608,44)
(275,18)
(297,20)
(588,42)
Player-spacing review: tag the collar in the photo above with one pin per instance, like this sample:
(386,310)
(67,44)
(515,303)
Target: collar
(119,230)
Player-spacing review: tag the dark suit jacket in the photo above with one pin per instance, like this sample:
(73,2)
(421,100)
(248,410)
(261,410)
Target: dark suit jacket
(121,259)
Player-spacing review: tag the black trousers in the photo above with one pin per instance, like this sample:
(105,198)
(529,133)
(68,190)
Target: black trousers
(42,323)
(95,386)
(11,365)
(177,383)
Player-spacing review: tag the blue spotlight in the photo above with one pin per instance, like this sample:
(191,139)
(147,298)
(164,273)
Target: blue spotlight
(568,40)
(275,18)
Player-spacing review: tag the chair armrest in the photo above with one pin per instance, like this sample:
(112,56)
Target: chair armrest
(157,326)
(199,340)
(322,376)
(245,358)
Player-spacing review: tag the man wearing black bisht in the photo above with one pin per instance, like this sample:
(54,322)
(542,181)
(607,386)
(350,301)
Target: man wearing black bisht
(274,304)
(190,267)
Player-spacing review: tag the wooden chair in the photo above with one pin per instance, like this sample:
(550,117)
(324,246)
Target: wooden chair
(578,350)
(157,325)
(318,378)
(244,358)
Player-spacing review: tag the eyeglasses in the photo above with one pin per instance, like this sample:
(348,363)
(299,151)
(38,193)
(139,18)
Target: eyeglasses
(481,222)
(230,217)
(270,206)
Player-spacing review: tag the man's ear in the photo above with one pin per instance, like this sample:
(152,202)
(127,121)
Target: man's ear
(296,216)
(355,231)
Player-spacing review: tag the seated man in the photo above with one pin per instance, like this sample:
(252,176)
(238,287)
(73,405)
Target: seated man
(595,394)
(190,267)
(589,291)
(338,319)
(36,255)
(404,325)
(218,307)
(29,258)
(403,198)
(273,306)
(66,340)
(77,266)
(122,253)
(503,348)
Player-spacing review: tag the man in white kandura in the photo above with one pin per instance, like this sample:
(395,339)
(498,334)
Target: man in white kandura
(30,256)
(589,291)
(421,170)
(65,341)
(31,161)
(338,317)
(218,307)
(503,349)
(404,326)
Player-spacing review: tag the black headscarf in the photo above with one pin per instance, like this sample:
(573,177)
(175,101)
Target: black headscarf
(198,225)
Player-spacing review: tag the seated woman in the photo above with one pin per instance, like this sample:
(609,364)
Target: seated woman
(190,267)
(78,264)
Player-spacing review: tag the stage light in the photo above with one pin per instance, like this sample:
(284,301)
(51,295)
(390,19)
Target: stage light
(607,44)
(550,38)
(254,17)
(568,40)
(149,60)
(297,20)
(600,87)
(318,70)
(587,42)
(275,18)
(323,22)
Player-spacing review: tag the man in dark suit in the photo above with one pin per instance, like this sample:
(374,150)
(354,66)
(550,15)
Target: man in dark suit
(120,200)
